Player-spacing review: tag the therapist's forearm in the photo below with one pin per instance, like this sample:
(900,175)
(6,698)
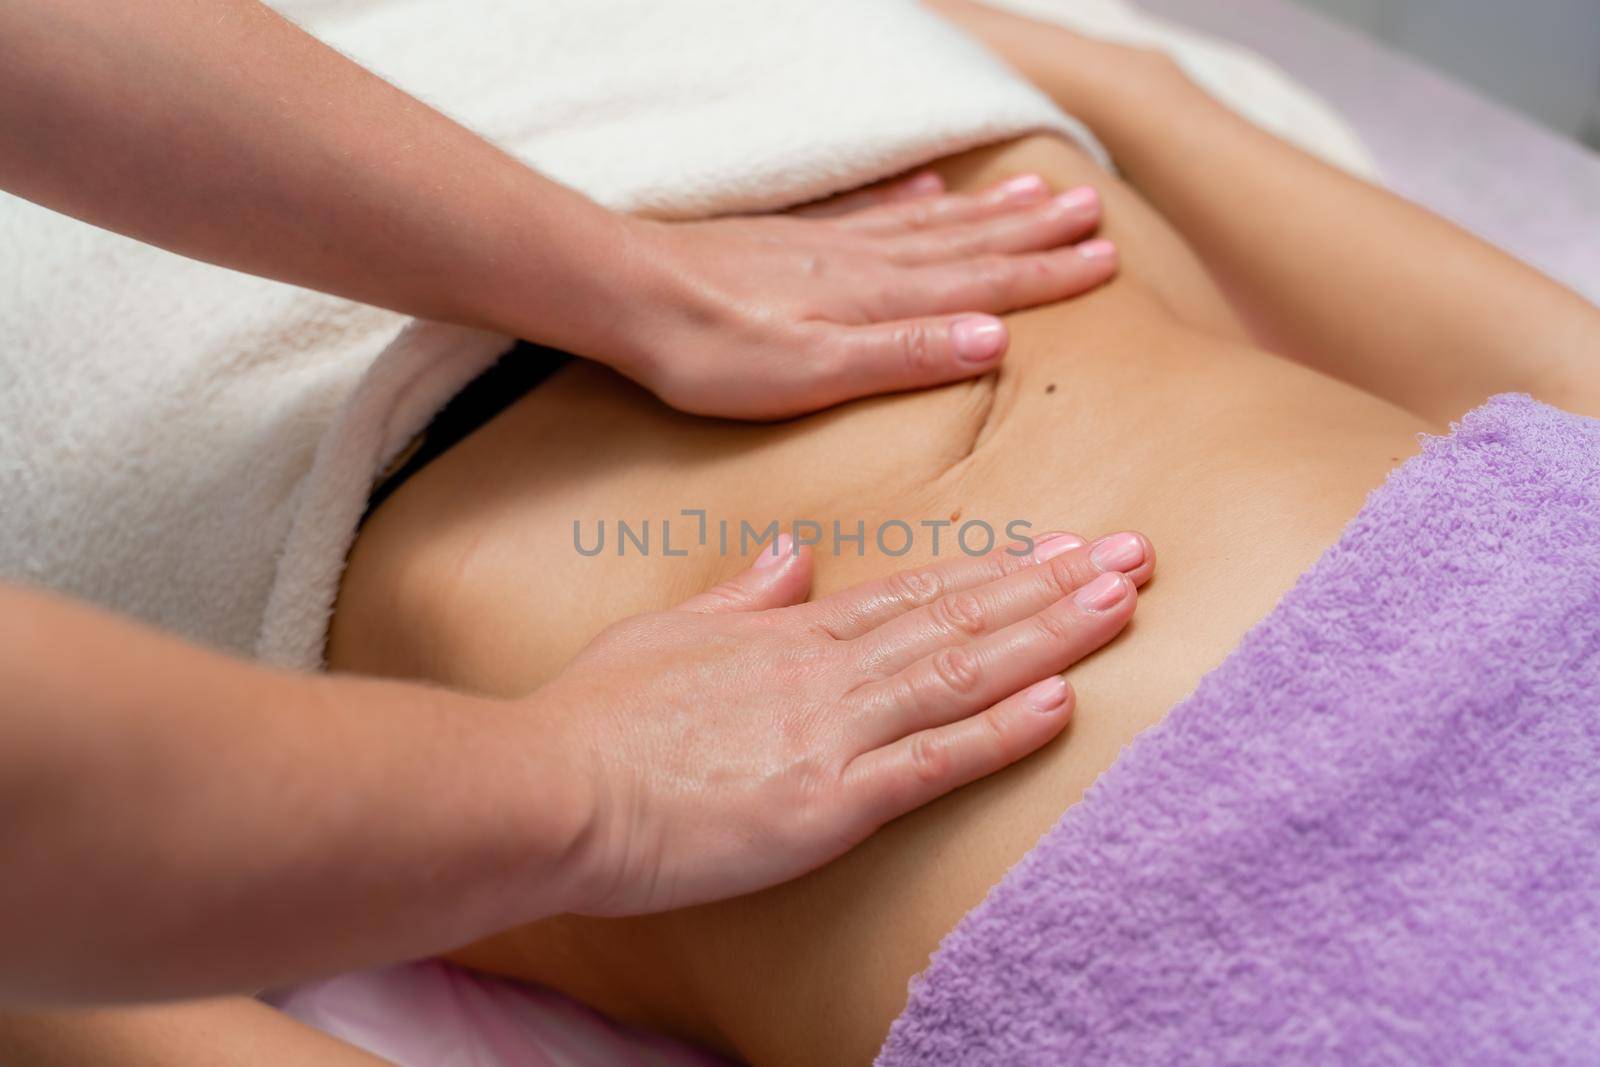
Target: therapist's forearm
(219,130)
(177,822)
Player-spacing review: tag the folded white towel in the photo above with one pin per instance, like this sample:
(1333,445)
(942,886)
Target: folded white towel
(194,446)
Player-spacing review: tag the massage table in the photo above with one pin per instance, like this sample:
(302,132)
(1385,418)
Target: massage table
(1530,191)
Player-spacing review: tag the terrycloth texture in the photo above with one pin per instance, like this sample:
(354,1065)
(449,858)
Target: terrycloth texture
(193,446)
(1369,837)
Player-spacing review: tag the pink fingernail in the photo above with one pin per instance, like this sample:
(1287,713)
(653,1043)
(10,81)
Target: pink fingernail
(1082,198)
(1099,248)
(978,338)
(1022,188)
(1104,592)
(1047,695)
(1055,544)
(923,184)
(1119,552)
(776,556)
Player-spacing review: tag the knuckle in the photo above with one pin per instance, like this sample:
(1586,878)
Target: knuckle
(1004,562)
(813,811)
(729,594)
(1061,575)
(930,758)
(897,691)
(956,670)
(876,665)
(960,613)
(997,730)
(914,588)
(920,215)
(1056,625)
(916,345)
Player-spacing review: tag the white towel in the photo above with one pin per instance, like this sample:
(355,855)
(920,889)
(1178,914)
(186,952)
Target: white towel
(194,446)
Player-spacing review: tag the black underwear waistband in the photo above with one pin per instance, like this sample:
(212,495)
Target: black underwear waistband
(517,373)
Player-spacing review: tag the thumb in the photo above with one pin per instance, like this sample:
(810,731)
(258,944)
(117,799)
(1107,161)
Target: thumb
(779,578)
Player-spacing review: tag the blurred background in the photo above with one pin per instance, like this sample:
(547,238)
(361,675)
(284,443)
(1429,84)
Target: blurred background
(1487,111)
(1541,57)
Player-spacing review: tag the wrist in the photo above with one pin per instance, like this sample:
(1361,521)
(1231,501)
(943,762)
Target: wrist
(655,296)
(569,273)
(477,790)
(543,802)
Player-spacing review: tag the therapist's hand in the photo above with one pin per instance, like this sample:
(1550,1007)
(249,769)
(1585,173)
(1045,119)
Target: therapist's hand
(772,316)
(746,737)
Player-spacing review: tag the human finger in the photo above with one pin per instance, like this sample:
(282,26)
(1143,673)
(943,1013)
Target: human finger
(1064,219)
(890,781)
(853,612)
(1063,566)
(1010,195)
(999,283)
(918,186)
(779,577)
(958,680)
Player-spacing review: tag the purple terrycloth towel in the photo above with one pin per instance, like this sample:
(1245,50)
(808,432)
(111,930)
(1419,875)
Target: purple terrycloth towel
(1371,836)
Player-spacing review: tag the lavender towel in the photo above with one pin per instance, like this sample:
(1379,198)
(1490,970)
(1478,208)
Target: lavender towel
(1372,836)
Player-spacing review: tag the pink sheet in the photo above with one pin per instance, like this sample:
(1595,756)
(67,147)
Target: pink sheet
(436,1015)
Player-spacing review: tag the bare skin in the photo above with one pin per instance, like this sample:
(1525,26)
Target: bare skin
(1324,268)
(232,155)
(1164,416)
(1242,466)
(253,145)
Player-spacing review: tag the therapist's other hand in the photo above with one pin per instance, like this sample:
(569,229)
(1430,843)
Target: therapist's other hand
(765,317)
(747,737)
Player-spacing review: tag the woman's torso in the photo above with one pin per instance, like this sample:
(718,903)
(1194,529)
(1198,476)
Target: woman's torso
(1110,413)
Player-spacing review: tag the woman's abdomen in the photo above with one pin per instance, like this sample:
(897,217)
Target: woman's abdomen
(1115,411)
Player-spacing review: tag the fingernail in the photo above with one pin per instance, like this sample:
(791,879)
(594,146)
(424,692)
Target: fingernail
(776,556)
(1049,694)
(1119,552)
(978,338)
(1099,248)
(1022,188)
(1055,544)
(1104,592)
(1080,199)
(923,184)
